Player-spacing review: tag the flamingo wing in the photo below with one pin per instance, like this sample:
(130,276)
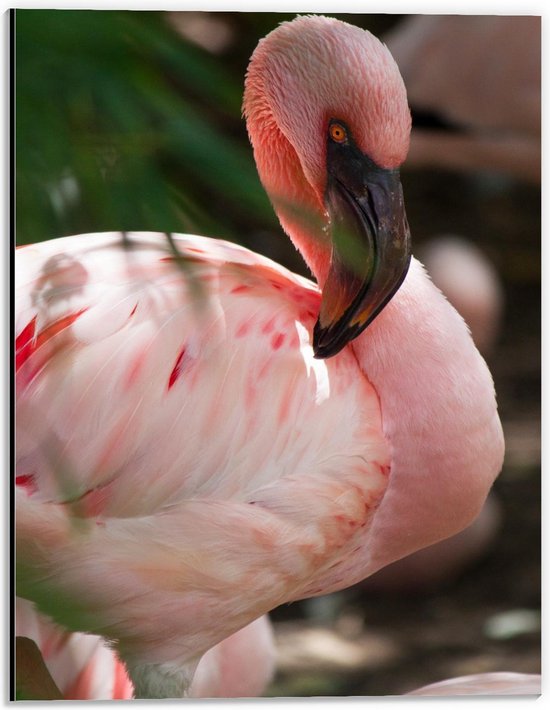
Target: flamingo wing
(178,445)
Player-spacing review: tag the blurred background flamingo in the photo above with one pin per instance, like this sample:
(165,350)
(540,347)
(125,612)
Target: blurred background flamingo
(474,88)
(84,667)
(485,684)
(274,246)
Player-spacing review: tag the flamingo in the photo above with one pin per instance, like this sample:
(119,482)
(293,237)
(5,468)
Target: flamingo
(477,294)
(84,667)
(500,683)
(203,435)
(480,78)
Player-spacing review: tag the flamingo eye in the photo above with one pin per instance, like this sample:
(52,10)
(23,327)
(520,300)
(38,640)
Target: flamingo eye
(337,132)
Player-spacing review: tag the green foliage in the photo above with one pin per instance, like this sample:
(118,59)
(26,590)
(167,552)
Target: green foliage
(118,127)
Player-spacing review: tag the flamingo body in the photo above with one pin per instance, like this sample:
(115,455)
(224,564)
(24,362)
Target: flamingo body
(258,480)
(241,666)
(194,345)
(202,435)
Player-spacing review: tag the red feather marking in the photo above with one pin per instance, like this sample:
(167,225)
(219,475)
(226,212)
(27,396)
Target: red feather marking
(26,481)
(135,368)
(243,329)
(92,503)
(277,340)
(123,688)
(176,372)
(305,315)
(81,686)
(284,407)
(240,289)
(57,327)
(25,344)
(268,325)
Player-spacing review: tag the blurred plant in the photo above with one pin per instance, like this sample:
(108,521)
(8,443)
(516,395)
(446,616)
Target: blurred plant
(117,128)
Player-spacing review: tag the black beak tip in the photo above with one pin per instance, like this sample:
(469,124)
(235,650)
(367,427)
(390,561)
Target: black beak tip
(328,342)
(320,353)
(318,334)
(321,342)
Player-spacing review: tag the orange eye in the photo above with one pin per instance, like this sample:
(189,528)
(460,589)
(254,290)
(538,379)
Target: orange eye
(337,132)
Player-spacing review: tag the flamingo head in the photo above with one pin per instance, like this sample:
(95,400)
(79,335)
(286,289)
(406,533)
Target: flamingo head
(329,122)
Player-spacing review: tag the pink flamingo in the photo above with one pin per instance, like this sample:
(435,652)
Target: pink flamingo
(84,667)
(471,283)
(485,684)
(203,437)
(481,75)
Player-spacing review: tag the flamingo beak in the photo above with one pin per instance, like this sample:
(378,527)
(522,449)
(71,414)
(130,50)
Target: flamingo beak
(370,246)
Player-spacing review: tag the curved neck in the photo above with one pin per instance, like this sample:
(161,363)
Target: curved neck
(439,415)
(298,206)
